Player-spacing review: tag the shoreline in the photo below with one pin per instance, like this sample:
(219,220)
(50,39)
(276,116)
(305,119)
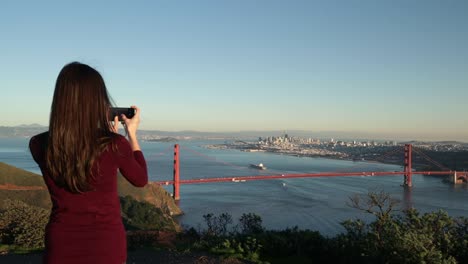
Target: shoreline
(303,155)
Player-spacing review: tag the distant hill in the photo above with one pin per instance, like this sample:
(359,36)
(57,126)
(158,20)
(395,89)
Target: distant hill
(30,125)
(10,175)
(164,139)
(22,130)
(33,129)
(14,181)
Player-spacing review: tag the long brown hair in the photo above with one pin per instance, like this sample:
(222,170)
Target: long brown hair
(79,129)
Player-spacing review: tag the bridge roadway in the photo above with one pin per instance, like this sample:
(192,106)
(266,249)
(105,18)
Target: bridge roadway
(305,175)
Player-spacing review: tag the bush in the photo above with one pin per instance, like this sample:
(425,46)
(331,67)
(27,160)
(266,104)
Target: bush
(293,242)
(22,225)
(141,239)
(406,238)
(138,215)
(251,224)
(403,237)
(247,248)
(217,225)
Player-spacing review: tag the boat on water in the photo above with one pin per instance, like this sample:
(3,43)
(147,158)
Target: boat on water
(258,167)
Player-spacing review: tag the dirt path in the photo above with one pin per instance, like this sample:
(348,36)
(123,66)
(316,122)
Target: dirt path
(12,187)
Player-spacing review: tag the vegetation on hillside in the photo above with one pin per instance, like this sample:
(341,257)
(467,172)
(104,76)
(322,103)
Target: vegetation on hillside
(392,237)
(22,225)
(25,213)
(138,215)
(151,193)
(12,175)
(36,198)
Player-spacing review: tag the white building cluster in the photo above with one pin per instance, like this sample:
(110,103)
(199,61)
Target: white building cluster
(286,141)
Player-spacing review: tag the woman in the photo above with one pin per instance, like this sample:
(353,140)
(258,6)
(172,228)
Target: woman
(79,157)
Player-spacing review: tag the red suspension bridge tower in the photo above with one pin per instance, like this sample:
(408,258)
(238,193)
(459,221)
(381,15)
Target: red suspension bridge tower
(408,168)
(176,183)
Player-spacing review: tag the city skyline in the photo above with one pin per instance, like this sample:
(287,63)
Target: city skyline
(395,69)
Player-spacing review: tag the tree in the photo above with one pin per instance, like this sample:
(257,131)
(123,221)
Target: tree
(251,224)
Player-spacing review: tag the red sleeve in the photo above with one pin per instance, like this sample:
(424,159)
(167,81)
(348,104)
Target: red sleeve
(132,164)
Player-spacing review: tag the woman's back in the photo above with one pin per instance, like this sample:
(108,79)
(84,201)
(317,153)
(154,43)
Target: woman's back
(89,224)
(79,158)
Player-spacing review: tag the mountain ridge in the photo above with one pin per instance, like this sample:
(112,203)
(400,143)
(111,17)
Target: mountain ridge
(28,130)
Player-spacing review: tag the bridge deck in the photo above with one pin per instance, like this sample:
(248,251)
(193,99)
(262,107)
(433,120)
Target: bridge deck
(305,175)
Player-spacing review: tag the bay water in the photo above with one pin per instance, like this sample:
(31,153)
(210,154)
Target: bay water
(309,203)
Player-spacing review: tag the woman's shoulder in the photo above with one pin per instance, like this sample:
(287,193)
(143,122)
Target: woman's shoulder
(119,139)
(120,142)
(39,140)
(121,146)
(38,144)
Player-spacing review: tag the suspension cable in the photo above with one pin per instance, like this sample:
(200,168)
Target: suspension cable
(211,158)
(163,152)
(425,156)
(380,158)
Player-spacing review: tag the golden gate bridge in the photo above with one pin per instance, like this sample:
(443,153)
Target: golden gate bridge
(408,172)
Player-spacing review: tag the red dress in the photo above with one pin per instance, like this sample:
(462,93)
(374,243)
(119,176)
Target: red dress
(87,227)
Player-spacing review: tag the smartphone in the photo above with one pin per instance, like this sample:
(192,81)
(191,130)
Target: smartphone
(118,111)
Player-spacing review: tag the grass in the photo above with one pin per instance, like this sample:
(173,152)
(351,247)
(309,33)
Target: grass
(12,175)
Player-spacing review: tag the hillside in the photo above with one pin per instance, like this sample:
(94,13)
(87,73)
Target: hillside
(15,183)
(18,184)
(151,193)
(13,175)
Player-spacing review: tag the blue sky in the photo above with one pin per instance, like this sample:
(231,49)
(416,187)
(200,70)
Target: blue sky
(394,68)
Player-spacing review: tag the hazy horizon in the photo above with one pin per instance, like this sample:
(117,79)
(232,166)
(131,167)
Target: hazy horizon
(340,135)
(386,68)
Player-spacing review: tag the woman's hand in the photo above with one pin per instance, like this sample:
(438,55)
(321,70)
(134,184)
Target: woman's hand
(131,124)
(115,125)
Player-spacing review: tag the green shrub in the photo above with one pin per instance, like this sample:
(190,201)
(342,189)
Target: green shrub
(247,248)
(22,225)
(400,238)
(138,215)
